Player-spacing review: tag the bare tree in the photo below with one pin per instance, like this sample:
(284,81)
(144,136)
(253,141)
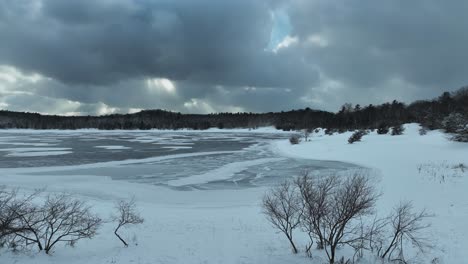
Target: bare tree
(13,207)
(353,198)
(127,215)
(32,222)
(7,216)
(283,209)
(370,236)
(314,193)
(59,219)
(332,208)
(334,211)
(406,227)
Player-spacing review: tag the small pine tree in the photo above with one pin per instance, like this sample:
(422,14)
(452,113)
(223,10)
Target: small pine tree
(382,129)
(341,130)
(329,131)
(454,122)
(422,131)
(397,130)
(356,136)
(461,136)
(294,139)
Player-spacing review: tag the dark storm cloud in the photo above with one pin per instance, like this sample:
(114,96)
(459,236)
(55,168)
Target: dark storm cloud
(102,42)
(101,53)
(126,94)
(422,42)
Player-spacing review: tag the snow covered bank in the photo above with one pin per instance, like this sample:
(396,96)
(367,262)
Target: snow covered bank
(226,226)
(405,163)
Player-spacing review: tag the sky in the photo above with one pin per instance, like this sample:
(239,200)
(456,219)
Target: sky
(95,57)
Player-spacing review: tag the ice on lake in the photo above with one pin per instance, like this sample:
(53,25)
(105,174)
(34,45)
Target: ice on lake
(177,160)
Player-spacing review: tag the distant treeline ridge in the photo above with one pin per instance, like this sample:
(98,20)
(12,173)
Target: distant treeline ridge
(430,113)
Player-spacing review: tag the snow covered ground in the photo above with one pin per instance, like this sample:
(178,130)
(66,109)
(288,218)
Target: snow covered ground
(423,169)
(226,225)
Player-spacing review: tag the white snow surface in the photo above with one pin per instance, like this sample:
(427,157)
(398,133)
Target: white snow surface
(38,153)
(226,226)
(32,149)
(177,147)
(438,186)
(113,147)
(223,172)
(35,152)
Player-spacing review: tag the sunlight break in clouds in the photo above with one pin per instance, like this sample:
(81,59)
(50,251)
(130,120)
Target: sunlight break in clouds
(161,84)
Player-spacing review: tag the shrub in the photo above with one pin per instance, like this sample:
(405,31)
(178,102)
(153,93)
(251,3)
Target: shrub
(294,139)
(13,208)
(454,122)
(461,136)
(281,205)
(127,214)
(339,211)
(406,227)
(356,136)
(423,131)
(397,130)
(332,207)
(329,131)
(382,129)
(8,217)
(61,219)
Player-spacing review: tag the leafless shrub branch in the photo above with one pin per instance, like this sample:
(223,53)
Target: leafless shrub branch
(406,227)
(283,209)
(336,211)
(60,219)
(126,215)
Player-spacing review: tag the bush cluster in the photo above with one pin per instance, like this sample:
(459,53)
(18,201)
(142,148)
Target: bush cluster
(338,212)
(32,221)
(59,219)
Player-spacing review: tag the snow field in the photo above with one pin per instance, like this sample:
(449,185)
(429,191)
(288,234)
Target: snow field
(226,226)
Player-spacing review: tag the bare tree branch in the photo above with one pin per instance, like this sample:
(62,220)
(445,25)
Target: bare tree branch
(406,227)
(283,209)
(127,215)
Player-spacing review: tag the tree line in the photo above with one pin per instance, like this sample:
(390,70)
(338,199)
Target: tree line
(430,113)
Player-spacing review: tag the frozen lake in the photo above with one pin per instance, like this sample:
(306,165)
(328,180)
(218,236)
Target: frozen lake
(178,160)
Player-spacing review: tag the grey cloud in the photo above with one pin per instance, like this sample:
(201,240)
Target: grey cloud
(370,42)
(102,42)
(123,95)
(102,52)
